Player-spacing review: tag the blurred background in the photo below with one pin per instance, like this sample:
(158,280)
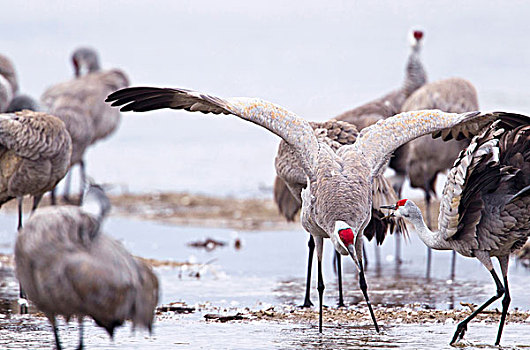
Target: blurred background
(316,58)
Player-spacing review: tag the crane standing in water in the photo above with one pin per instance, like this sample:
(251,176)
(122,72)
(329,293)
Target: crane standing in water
(79,104)
(69,268)
(337,201)
(485,208)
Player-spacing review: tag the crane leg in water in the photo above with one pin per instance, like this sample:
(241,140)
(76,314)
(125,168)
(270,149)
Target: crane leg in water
(81,343)
(53,321)
(462,326)
(319,241)
(429,222)
(507,299)
(453,266)
(22,296)
(339,277)
(307,299)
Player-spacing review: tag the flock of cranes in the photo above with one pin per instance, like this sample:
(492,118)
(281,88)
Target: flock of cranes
(331,171)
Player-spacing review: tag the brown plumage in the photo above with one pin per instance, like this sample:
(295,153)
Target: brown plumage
(35,153)
(80,104)
(8,82)
(337,201)
(485,208)
(68,267)
(426,157)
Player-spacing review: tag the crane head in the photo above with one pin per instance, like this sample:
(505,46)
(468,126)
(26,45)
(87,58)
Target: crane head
(400,209)
(415,37)
(85,60)
(344,239)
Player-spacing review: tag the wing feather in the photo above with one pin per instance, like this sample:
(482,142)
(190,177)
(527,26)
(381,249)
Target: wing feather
(294,130)
(377,142)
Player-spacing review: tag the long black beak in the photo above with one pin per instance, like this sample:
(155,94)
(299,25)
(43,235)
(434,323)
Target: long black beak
(391,207)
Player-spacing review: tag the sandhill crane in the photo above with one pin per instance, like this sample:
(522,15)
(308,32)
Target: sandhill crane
(79,103)
(485,209)
(291,176)
(8,82)
(69,267)
(337,200)
(427,157)
(34,156)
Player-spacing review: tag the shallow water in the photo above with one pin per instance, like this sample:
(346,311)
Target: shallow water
(269,270)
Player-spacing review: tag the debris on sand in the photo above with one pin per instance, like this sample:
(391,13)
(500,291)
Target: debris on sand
(408,314)
(224,318)
(176,307)
(209,244)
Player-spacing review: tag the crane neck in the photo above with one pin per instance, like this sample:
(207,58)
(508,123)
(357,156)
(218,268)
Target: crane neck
(415,74)
(432,239)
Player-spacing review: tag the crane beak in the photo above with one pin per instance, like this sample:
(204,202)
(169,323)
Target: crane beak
(351,251)
(391,207)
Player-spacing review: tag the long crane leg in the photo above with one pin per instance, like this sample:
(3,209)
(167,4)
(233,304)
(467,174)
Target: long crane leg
(507,299)
(81,328)
(56,333)
(311,245)
(429,222)
(21,293)
(321,288)
(462,326)
(338,257)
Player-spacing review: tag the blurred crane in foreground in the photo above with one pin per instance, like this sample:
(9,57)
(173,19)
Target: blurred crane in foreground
(485,209)
(80,104)
(426,157)
(68,267)
(337,200)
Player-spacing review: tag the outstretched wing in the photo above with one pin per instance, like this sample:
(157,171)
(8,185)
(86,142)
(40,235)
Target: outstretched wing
(377,142)
(292,129)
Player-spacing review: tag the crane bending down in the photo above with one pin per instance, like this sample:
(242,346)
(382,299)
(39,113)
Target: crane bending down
(485,209)
(69,268)
(291,176)
(337,200)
